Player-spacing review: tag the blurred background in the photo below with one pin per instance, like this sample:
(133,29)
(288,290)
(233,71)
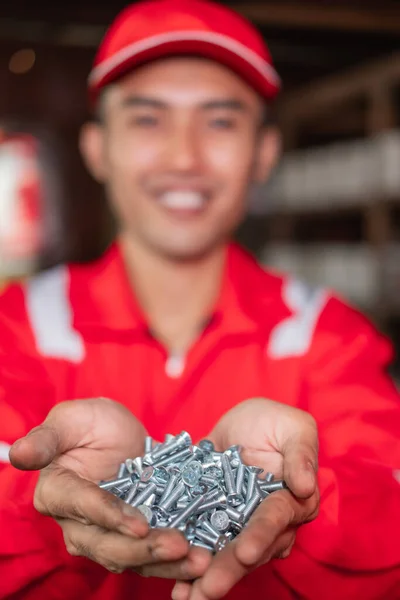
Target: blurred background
(331,212)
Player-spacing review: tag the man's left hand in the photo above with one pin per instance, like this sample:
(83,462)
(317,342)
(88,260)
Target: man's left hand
(282,440)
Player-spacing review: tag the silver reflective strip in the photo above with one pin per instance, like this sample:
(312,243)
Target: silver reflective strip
(293,336)
(4,450)
(50,315)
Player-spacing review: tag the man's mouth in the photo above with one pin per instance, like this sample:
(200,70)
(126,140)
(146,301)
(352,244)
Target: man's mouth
(185,200)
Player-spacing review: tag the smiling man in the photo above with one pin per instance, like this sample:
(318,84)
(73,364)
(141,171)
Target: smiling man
(183,330)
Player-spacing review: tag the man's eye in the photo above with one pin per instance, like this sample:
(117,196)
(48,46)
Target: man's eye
(145,121)
(222,123)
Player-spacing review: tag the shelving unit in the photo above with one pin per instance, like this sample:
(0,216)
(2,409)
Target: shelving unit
(332,210)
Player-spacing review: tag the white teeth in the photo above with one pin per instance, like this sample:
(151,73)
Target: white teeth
(182,200)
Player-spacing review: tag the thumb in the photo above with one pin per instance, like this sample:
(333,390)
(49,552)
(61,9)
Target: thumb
(300,463)
(59,433)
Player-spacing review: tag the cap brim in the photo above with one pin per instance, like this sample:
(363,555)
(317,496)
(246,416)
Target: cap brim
(257,72)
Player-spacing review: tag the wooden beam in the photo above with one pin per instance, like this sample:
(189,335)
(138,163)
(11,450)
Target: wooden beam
(313,16)
(336,90)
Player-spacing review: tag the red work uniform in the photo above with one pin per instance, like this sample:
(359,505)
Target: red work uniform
(77,332)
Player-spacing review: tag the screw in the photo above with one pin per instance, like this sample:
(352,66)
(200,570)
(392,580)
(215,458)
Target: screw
(182,440)
(252,473)
(132,493)
(148,514)
(107,485)
(121,471)
(273,486)
(218,502)
(241,470)
(199,544)
(144,494)
(190,510)
(207,446)
(148,444)
(220,520)
(206,537)
(207,526)
(235,515)
(173,458)
(173,497)
(251,506)
(269,477)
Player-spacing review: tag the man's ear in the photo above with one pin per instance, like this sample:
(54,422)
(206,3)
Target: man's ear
(91,145)
(268,154)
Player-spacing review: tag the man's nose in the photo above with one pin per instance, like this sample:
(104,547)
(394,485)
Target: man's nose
(183,152)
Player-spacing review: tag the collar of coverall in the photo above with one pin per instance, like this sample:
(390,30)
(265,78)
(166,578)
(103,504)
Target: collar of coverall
(102,295)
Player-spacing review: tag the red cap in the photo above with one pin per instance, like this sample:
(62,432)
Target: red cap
(159,28)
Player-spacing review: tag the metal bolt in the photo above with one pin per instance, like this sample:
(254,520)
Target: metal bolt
(206,537)
(173,497)
(144,494)
(251,506)
(107,485)
(183,440)
(269,477)
(147,474)
(207,446)
(132,493)
(187,512)
(148,514)
(173,458)
(207,526)
(241,470)
(218,502)
(252,474)
(220,521)
(121,471)
(235,515)
(199,544)
(148,444)
(273,486)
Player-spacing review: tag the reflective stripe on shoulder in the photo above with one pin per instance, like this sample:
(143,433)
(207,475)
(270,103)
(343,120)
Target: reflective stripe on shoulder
(4,450)
(50,315)
(293,336)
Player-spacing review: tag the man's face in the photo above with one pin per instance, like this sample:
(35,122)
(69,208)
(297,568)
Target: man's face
(180,144)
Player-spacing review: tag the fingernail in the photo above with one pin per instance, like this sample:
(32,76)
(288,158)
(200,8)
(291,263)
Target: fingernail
(162,553)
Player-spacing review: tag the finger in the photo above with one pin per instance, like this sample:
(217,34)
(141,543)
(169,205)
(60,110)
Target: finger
(62,430)
(270,519)
(284,544)
(181,590)
(117,552)
(192,566)
(62,494)
(300,459)
(223,573)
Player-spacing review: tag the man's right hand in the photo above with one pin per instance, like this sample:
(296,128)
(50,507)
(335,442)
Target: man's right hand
(80,443)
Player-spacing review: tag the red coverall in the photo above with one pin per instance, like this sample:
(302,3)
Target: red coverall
(76,332)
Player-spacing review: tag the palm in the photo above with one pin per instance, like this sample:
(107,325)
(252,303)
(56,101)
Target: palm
(258,426)
(108,434)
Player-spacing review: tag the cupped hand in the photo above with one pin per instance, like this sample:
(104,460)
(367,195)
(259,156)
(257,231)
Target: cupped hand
(282,440)
(80,443)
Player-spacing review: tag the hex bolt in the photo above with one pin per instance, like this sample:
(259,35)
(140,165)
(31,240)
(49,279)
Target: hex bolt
(187,512)
(107,485)
(251,506)
(144,494)
(252,474)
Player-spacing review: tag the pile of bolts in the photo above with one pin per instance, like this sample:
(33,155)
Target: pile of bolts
(209,496)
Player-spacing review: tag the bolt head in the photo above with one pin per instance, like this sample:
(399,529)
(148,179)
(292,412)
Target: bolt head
(234,499)
(220,520)
(256,470)
(206,446)
(147,474)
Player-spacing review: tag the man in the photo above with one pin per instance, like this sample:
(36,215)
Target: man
(180,328)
